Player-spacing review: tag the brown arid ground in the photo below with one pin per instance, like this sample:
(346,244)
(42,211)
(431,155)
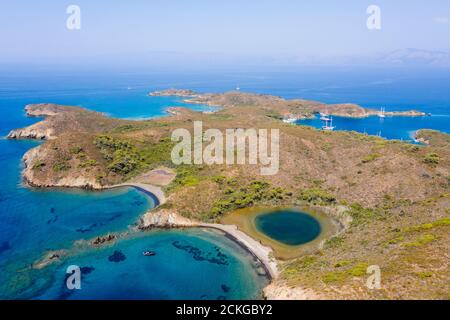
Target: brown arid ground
(395,194)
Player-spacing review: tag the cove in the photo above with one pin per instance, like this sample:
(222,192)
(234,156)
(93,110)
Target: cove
(289,227)
(199,264)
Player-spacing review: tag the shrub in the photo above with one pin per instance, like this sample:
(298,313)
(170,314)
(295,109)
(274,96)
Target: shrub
(343,263)
(431,158)
(334,277)
(359,213)
(334,242)
(76,150)
(425,274)
(359,269)
(442,222)
(423,240)
(247,196)
(38,165)
(370,158)
(317,196)
(88,163)
(219,179)
(124,161)
(61,166)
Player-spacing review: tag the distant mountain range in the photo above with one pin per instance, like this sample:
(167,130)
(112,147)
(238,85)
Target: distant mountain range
(407,57)
(404,57)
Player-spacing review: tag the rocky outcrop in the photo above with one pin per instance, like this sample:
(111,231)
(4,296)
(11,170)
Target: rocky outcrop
(50,258)
(411,113)
(41,130)
(102,240)
(36,131)
(164,219)
(44,109)
(173,92)
(31,158)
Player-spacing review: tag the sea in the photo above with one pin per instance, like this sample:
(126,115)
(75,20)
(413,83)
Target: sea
(189,264)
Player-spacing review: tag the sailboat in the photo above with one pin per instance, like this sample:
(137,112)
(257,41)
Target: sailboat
(382,113)
(324,117)
(328,125)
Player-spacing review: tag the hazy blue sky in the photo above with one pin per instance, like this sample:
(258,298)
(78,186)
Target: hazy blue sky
(37,29)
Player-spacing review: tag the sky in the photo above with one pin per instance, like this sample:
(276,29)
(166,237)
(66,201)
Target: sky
(114,31)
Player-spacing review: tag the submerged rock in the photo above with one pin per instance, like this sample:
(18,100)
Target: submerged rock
(117,256)
(4,246)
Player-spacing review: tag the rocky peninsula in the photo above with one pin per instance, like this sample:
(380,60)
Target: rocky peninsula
(296,108)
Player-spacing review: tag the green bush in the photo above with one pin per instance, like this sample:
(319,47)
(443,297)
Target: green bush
(125,159)
(61,166)
(187,175)
(88,163)
(219,179)
(360,214)
(359,269)
(425,274)
(76,150)
(332,277)
(38,165)
(334,242)
(247,196)
(370,158)
(421,241)
(431,158)
(317,196)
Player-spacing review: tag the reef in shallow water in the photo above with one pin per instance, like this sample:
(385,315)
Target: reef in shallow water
(220,258)
(117,256)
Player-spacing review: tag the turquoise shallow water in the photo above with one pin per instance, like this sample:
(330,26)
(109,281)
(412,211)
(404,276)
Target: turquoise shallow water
(189,264)
(288,227)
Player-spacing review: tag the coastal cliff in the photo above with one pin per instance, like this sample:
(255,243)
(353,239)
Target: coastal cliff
(33,178)
(165,219)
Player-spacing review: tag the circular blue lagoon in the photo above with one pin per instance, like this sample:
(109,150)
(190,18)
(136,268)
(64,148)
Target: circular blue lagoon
(288,226)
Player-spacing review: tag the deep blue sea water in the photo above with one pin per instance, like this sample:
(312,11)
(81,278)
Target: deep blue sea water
(33,221)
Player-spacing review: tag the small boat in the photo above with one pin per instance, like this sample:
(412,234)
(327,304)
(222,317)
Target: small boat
(324,117)
(328,125)
(290,120)
(149,253)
